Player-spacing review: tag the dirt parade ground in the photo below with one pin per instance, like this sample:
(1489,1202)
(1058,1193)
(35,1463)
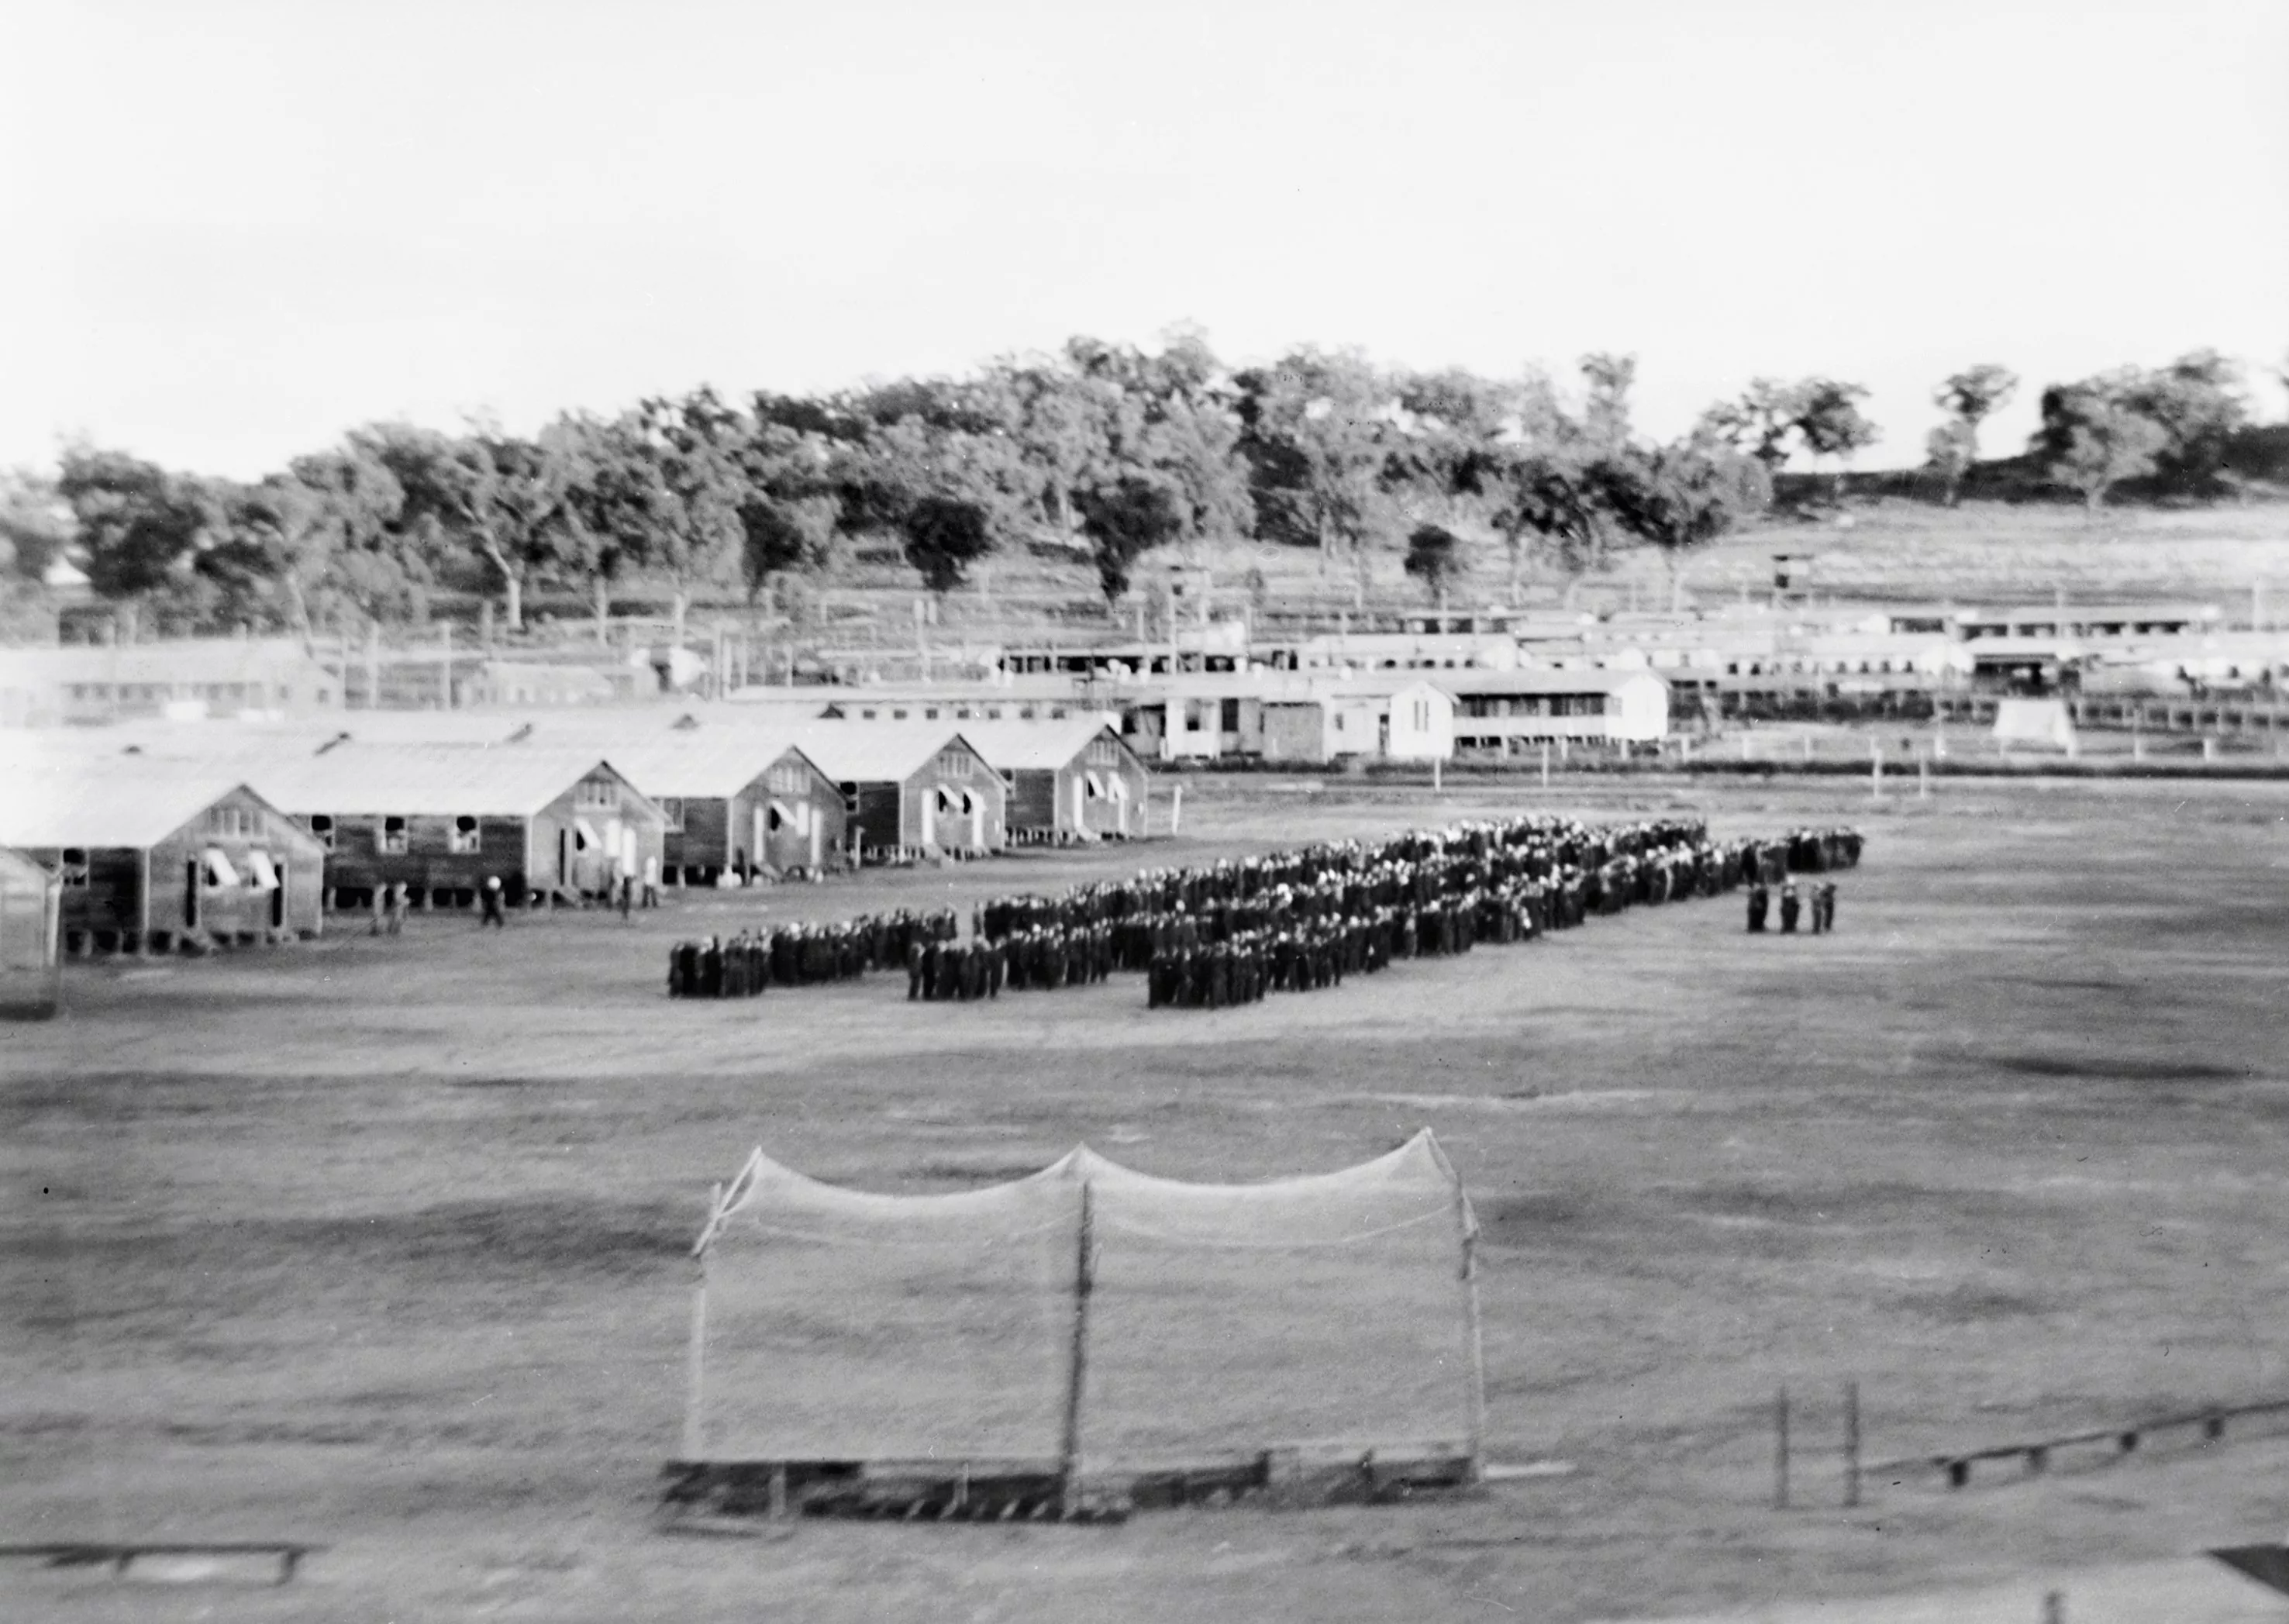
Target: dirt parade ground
(383,1244)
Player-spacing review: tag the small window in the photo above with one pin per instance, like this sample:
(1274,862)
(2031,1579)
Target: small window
(322,824)
(869,715)
(931,714)
(392,840)
(74,870)
(671,807)
(897,716)
(465,838)
(231,821)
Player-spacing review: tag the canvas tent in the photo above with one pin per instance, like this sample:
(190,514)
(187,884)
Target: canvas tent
(30,896)
(2034,721)
(1088,1321)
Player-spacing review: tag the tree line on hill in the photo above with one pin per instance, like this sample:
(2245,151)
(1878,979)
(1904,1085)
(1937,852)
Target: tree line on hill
(1102,451)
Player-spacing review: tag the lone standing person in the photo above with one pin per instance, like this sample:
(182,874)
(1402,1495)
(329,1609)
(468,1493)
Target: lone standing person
(399,896)
(381,909)
(491,896)
(1761,903)
(1825,901)
(651,882)
(627,892)
(1791,905)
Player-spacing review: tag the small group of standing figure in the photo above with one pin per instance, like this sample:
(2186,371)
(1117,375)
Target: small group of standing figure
(1792,907)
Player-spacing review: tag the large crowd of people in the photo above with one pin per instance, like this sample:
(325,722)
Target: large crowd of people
(1290,921)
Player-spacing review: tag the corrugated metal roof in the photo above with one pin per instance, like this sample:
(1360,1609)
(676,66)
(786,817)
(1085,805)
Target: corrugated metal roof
(440,780)
(55,800)
(875,751)
(1031,746)
(716,762)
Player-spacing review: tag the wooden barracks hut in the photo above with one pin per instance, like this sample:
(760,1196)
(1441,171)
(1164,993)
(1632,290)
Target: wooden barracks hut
(161,858)
(738,802)
(1073,780)
(909,788)
(30,937)
(549,824)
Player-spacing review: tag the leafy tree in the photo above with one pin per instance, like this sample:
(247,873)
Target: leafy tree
(376,563)
(694,447)
(1435,557)
(1759,422)
(493,493)
(140,528)
(945,536)
(1606,409)
(275,536)
(1679,498)
(2104,443)
(34,524)
(1546,496)
(612,504)
(1313,430)
(2197,403)
(1976,394)
(1123,521)
(1830,423)
(1969,398)
(1949,451)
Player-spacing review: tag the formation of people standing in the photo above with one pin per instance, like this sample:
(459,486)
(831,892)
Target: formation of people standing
(801,955)
(1290,921)
(1301,920)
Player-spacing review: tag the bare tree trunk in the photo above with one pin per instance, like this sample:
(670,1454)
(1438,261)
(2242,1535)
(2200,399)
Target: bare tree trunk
(604,612)
(682,608)
(512,583)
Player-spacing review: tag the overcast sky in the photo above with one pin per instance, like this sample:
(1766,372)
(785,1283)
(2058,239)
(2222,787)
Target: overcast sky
(233,230)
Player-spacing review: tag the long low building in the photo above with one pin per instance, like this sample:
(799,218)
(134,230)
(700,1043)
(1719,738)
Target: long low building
(908,790)
(155,857)
(1505,713)
(737,803)
(444,820)
(1066,781)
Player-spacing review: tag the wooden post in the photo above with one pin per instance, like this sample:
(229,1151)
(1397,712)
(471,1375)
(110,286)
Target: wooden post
(1923,781)
(1077,1365)
(695,1429)
(1478,1348)
(1175,807)
(1437,785)
(1545,764)
(1781,1451)
(1876,769)
(1851,1444)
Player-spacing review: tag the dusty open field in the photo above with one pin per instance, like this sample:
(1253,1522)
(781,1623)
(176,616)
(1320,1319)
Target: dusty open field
(381,1244)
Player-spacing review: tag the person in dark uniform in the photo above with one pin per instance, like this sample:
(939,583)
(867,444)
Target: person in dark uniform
(1761,903)
(1791,905)
(1824,903)
(490,897)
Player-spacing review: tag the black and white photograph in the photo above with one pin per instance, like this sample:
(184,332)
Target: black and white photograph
(1014,813)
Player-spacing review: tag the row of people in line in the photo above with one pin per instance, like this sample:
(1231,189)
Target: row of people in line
(1820,905)
(802,955)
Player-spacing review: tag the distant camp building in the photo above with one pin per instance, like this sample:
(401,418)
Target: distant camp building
(155,857)
(1399,715)
(217,676)
(909,789)
(738,802)
(31,937)
(1074,780)
(548,823)
(1502,714)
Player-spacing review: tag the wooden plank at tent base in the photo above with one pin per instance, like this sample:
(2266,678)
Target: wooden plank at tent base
(1008,1490)
(121,1556)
